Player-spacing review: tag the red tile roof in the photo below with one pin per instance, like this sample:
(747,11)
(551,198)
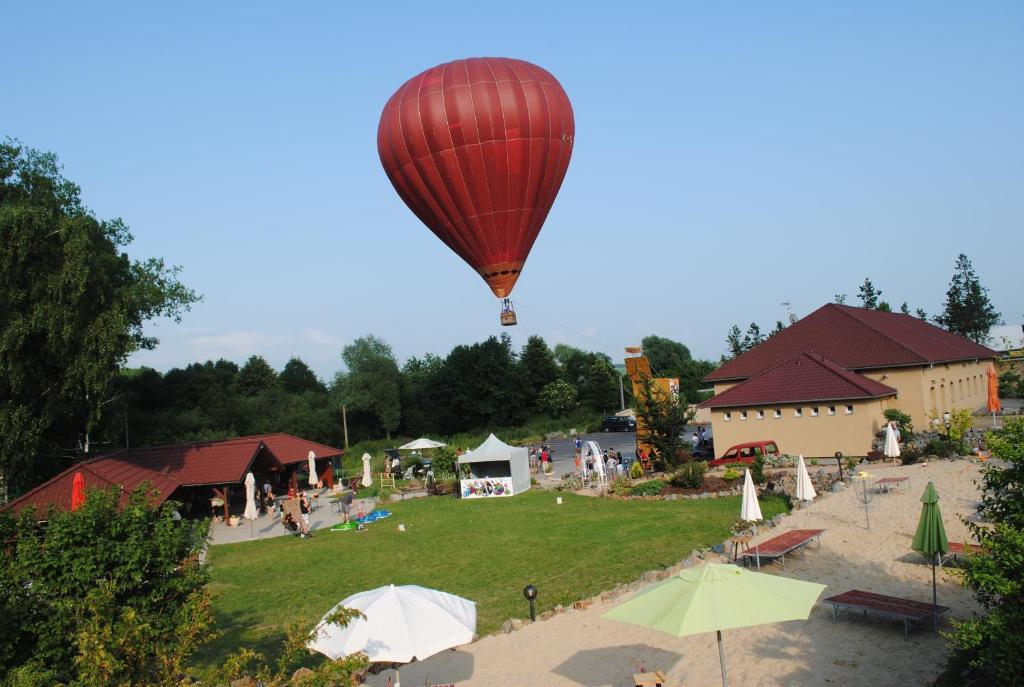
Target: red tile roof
(98,473)
(856,339)
(804,378)
(170,467)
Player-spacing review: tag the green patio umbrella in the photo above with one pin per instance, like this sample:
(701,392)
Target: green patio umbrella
(930,539)
(717,597)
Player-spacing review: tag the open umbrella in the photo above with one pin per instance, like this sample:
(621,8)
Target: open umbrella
(930,539)
(402,624)
(312,469)
(993,404)
(367,477)
(250,511)
(892,447)
(716,597)
(751,510)
(420,444)
(77,491)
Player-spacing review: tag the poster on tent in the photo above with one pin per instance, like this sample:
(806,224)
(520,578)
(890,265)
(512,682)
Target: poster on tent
(485,487)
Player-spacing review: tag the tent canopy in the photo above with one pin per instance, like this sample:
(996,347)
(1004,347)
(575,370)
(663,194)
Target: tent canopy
(495,458)
(492,449)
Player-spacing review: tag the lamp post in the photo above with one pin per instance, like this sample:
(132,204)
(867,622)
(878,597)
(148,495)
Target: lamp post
(839,461)
(530,592)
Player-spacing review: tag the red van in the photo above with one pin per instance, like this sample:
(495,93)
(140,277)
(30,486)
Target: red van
(746,453)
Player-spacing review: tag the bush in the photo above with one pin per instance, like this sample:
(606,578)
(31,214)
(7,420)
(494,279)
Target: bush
(445,461)
(910,455)
(731,475)
(938,447)
(757,470)
(651,488)
(103,595)
(621,486)
(903,421)
(689,475)
(636,471)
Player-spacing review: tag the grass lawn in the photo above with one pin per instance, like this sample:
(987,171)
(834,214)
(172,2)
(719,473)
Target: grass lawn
(484,550)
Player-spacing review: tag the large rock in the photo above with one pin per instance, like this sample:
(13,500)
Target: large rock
(511,625)
(838,487)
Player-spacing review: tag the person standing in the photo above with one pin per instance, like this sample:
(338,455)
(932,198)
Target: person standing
(304,513)
(695,440)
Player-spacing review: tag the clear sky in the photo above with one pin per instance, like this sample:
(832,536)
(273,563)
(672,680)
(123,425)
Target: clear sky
(728,157)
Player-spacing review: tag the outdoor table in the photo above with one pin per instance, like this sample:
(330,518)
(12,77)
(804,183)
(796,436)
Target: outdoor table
(740,542)
(887,484)
(655,679)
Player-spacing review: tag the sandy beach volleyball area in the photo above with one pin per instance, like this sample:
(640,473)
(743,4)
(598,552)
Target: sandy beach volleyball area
(578,647)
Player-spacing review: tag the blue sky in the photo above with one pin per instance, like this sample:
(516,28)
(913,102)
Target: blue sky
(728,157)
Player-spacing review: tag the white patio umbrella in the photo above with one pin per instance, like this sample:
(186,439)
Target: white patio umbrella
(420,444)
(892,447)
(250,502)
(367,477)
(402,624)
(312,469)
(751,510)
(804,488)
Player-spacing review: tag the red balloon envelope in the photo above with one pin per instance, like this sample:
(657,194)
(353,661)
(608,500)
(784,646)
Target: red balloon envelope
(478,149)
(77,491)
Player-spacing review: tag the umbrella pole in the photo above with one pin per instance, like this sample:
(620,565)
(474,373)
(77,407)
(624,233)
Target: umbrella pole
(757,552)
(721,659)
(935,594)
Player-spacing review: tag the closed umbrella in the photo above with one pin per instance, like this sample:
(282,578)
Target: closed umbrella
(993,404)
(402,623)
(751,510)
(77,491)
(312,469)
(892,447)
(250,511)
(930,538)
(367,477)
(716,597)
(804,487)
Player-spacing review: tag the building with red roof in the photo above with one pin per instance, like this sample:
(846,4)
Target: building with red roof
(191,473)
(821,384)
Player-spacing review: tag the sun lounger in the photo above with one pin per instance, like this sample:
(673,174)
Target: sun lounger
(776,548)
(887,484)
(957,549)
(906,610)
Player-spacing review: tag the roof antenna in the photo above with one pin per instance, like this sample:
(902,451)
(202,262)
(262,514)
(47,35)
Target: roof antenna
(789,311)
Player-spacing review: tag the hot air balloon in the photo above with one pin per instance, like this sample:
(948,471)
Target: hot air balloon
(477,149)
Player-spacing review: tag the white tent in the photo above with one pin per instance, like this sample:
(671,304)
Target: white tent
(496,469)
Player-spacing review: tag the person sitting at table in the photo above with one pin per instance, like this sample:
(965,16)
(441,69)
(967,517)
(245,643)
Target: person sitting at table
(289,524)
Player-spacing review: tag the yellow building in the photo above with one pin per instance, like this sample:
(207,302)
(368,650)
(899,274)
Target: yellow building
(821,385)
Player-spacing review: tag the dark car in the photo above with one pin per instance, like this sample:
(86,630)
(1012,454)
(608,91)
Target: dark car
(618,424)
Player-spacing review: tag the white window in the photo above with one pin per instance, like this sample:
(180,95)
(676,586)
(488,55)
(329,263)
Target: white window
(849,410)
(777,413)
(798,412)
(760,414)
(831,410)
(727,416)
(814,411)
(743,415)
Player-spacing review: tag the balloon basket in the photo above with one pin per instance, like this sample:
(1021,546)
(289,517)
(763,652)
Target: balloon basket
(508,315)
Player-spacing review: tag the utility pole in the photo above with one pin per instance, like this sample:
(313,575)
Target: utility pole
(622,395)
(344,423)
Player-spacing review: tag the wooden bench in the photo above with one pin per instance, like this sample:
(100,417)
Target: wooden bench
(957,549)
(778,547)
(887,484)
(906,610)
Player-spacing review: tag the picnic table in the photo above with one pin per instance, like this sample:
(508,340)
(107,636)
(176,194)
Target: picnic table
(906,610)
(887,484)
(778,547)
(957,549)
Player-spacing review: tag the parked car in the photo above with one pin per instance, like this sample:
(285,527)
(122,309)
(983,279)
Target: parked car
(746,453)
(615,423)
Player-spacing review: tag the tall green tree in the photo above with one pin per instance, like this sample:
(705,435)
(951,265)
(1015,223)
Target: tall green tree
(599,388)
(538,366)
(72,308)
(663,419)
(256,377)
(558,397)
(297,378)
(668,358)
(482,386)
(968,311)
(372,382)
(869,295)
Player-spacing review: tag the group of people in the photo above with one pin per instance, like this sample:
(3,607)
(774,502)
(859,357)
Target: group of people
(611,460)
(699,438)
(541,459)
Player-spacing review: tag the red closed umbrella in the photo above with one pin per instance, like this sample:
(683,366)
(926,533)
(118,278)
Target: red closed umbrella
(993,404)
(477,148)
(77,491)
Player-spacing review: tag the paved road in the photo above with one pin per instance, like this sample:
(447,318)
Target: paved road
(565,449)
